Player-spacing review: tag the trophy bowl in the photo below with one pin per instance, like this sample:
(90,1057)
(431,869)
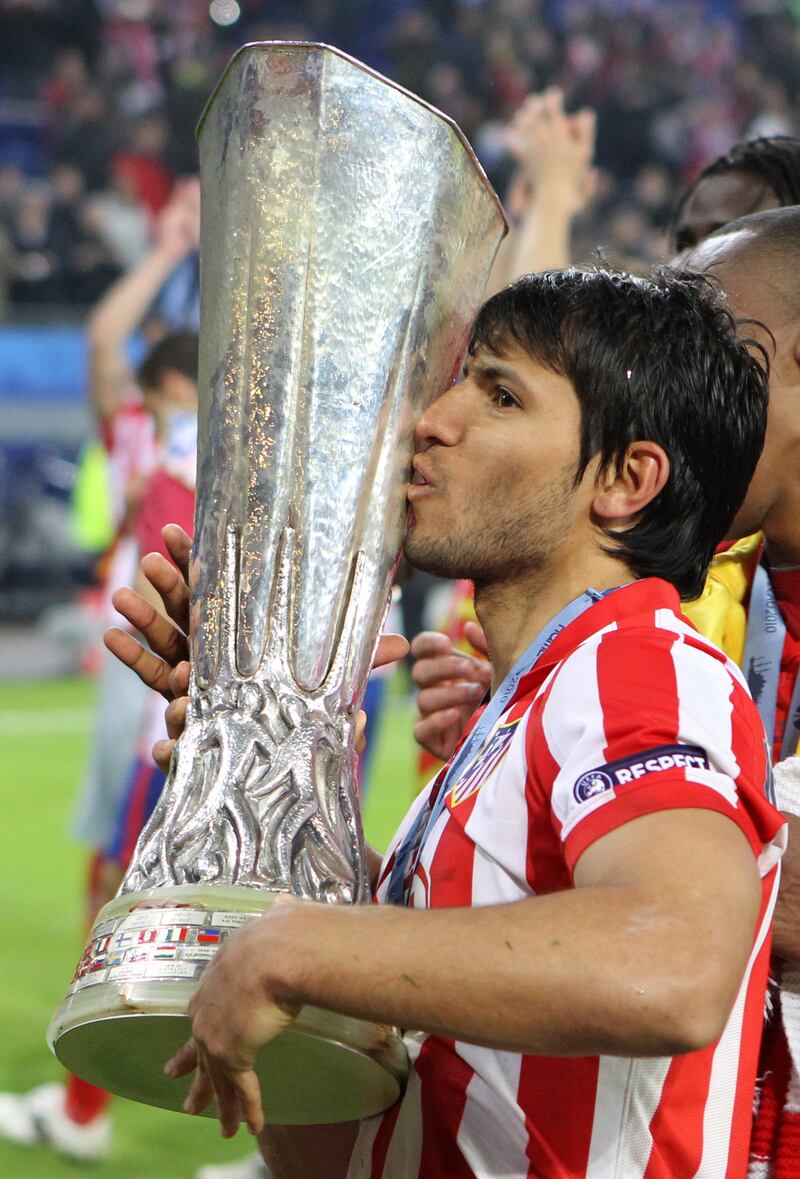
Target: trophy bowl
(347,234)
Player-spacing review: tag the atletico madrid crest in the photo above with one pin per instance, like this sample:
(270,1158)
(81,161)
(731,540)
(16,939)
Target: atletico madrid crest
(486,761)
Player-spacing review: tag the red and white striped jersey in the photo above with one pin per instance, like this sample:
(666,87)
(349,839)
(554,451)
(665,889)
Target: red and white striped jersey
(628,712)
(129,436)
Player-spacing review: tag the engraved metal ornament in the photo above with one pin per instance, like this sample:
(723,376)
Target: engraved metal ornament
(347,236)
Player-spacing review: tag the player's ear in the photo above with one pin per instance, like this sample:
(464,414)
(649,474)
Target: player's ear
(622,492)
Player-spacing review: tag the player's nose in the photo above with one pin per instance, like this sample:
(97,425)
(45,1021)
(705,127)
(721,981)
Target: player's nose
(443,421)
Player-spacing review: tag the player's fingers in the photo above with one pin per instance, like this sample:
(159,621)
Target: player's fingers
(166,639)
(553,107)
(227,1098)
(391,648)
(179,678)
(170,585)
(179,547)
(431,673)
(175,716)
(360,739)
(250,1103)
(162,754)
(429,643)
(459,696)
(150,669)
(582,133)
(184,1061)
(439,733)
(473,633)
(203,1090)
(138,611)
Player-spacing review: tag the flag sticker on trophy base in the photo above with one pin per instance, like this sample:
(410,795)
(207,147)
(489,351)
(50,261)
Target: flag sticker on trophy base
(336,301)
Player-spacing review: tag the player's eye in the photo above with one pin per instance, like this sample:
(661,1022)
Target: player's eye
(504,398)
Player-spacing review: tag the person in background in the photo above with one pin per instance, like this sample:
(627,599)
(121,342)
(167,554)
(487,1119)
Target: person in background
(169,370)
(754,175)
(141,163)
(131,422)
(554,182)
(132,419)
(751,606)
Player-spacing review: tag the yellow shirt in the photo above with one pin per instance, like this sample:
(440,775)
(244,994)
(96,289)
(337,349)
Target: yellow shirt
(718,613)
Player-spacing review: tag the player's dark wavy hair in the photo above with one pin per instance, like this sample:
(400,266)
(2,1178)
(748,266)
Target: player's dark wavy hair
(178,350)
(658,359)
(772,159)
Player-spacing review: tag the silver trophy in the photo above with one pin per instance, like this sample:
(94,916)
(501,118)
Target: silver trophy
(347,234)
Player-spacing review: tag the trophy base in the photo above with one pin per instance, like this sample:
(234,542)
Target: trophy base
(121,1023)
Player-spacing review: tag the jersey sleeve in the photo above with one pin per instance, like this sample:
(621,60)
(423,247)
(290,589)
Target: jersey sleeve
(165,501)
(645,720)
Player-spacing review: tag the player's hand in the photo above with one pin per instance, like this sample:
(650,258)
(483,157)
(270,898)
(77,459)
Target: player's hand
(165,666)
(555,150)
(450,688)
(234,1016)
(177,230)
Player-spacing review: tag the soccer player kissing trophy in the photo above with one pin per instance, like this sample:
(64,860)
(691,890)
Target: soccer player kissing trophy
(347,232)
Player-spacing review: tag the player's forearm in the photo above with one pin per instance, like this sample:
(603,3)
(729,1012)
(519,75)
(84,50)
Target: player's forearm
(543,238)
(114,319)
(501,273)
(786,932)
(121,309)
(577,973)
(541,241)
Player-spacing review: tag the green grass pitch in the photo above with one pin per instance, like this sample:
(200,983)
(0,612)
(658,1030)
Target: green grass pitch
(44,732)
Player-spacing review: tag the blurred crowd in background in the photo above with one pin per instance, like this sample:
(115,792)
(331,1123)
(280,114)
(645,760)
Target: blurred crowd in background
(590,119)
(99,100)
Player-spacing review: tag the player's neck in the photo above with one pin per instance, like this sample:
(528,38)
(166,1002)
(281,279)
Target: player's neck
(513,611)
(782,533)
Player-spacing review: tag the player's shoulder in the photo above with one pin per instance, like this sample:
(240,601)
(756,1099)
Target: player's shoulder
(647,649)
(655,630)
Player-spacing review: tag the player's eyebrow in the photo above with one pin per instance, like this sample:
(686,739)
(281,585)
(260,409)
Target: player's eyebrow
(494,370)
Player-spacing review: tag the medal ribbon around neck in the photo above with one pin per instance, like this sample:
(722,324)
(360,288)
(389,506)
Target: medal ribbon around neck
(410,849)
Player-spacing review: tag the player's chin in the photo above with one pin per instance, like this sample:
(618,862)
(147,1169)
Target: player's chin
(416,549)
(426,552)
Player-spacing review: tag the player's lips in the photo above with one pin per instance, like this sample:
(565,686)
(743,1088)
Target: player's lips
(421,483)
